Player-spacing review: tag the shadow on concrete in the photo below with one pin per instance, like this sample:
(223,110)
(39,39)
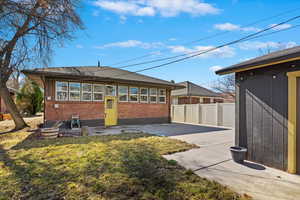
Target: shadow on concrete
(254,165)
(175,129)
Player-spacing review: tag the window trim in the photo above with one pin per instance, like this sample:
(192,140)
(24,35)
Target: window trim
(56,90)
(127,94)
(137,95)
(74,92)
(103,92)
(115,91)
(151,95)
(159,95)
(147,95)
(86,92)
(162,95)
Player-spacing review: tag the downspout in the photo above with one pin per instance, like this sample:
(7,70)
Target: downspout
(43,80)
(188,92)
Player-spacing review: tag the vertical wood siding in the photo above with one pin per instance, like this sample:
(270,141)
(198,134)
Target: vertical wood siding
(262,114)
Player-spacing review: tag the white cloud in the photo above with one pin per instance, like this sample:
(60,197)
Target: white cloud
(123,19)
(165,8)
(234,27)
(215,68)
(172,39)
(79,46)
(227,27)
(250,28)
(131,44)
(146,11)
(95,13)
(280,27)
(224,52)
(256,45)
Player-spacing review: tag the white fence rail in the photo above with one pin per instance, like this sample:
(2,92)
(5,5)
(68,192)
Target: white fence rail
(217,114)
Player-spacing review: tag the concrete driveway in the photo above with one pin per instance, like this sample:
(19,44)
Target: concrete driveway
(213,161)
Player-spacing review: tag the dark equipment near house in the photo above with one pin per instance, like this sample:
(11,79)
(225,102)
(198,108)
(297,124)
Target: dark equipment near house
(75,122)
(238,154)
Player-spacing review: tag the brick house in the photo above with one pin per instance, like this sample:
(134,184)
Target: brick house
(194,94)
(102,95)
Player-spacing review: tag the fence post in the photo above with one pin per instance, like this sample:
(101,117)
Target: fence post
(219,114)
(199,114)
(184,111)
(172,112)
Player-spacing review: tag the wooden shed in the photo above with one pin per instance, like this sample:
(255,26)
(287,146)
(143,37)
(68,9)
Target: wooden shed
(268,108)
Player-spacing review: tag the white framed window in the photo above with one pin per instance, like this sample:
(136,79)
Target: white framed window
(74,91)
(134,94)
(153,95)
(98,92)
(86,92)
(162,96)
(123,93)
(61,91)
(144,95)
(110,90)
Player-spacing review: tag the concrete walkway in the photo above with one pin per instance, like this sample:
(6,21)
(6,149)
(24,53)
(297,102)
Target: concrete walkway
(213,161)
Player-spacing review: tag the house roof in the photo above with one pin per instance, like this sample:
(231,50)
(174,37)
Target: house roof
(277,57)
(96,73)
(192,89)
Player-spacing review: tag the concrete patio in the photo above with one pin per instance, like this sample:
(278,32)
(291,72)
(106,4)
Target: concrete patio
(171,129)
(213,161)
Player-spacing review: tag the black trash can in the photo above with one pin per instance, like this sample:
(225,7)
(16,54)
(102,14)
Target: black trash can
(238,154)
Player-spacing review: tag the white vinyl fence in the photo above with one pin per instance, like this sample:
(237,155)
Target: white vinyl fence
(217,114)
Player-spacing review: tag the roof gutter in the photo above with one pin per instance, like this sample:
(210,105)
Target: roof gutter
(229,71)
(95,78)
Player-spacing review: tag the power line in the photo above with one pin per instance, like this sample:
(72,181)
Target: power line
(207,37)
(211,82)
(248,37)
(185,54)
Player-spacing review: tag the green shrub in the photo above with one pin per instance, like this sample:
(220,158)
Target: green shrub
(30,98)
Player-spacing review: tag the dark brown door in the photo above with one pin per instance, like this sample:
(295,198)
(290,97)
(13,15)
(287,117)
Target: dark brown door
(298,128)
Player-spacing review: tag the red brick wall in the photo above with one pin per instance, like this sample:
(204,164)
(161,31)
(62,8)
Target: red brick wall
(95,110)
(218,100)
(65,110)
(142,110)
(91,110)
(188,100)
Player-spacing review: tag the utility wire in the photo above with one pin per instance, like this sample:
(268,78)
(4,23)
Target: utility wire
(248,37)
(211,82)
(185,54)
(207,37)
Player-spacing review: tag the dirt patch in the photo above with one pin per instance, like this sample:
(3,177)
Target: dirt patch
(33,122)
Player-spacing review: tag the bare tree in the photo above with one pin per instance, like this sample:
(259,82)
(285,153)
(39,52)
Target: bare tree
(29,29)
(226,85)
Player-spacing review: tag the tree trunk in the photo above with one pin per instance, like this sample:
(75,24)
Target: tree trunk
(12,108)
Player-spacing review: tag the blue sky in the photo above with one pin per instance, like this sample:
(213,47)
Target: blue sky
(118,30)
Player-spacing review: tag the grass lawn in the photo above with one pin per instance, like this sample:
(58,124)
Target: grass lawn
(127,166)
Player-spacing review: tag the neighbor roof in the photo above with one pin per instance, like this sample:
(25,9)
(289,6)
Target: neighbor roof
(277,57)
(192,89)
(97,74)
